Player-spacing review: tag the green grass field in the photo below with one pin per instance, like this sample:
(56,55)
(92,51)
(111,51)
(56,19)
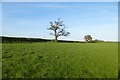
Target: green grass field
(60,60)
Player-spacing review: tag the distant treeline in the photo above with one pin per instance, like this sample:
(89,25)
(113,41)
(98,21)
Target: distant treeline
(5,39)
(19,40)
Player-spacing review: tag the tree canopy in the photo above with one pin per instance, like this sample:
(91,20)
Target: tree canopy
(58,29)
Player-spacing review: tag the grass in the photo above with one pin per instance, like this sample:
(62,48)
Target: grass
(60,60)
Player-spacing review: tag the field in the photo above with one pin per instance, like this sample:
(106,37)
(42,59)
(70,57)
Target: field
(60,60)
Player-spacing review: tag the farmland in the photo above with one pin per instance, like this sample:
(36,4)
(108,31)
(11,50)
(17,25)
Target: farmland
(59,60)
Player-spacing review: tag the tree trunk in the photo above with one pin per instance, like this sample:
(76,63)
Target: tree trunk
(55,36)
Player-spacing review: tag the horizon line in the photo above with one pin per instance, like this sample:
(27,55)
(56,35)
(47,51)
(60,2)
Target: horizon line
(53,38)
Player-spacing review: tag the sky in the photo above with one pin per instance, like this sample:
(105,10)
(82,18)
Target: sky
(59,0)
(31,19)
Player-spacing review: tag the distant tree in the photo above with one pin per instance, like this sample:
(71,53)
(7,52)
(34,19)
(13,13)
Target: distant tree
(96,40)
(58,29)
(88,38)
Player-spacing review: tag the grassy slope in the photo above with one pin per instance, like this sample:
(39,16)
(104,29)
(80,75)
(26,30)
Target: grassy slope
(96,60)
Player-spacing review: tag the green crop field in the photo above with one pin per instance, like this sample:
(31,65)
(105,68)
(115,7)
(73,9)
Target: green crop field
(60,60)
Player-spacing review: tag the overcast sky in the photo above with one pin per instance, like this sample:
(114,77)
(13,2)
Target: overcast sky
(28,19)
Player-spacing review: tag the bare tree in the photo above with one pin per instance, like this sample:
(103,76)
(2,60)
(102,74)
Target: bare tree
(58,29)
(88,38)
